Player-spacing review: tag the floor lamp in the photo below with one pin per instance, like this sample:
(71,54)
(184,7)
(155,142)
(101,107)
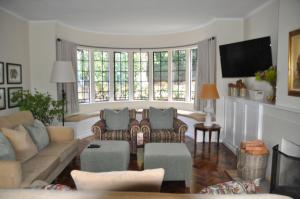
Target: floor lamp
(62,72)
(208,92)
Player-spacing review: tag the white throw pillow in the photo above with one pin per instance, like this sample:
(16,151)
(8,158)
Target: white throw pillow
(146,181)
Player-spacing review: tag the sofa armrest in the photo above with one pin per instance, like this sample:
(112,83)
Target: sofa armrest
(146,129)
(60,133)
(134,127)
(180,127)
(11,174)
(99,128)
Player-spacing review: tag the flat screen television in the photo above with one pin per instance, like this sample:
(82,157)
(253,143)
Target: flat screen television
(244,59)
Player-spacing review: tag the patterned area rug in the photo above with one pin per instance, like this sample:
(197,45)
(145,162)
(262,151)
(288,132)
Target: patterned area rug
(262,187)
(231,187)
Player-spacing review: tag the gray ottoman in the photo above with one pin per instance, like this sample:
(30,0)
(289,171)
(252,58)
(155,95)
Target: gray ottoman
(175,158)
(111,156)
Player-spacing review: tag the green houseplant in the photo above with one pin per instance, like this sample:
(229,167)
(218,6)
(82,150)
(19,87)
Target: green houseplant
(42,106)
(269,75)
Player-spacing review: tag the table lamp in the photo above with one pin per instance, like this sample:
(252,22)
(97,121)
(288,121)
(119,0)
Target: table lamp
(62,72)
(208,92)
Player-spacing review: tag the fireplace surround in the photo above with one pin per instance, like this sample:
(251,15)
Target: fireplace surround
(285,174)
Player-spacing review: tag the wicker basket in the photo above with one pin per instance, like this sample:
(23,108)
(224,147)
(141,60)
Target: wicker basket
(251,167)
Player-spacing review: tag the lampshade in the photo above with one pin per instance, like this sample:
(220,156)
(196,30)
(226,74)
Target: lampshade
(208,91)
(62,72)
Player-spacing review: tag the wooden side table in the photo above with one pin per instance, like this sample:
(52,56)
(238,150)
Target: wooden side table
(210,129)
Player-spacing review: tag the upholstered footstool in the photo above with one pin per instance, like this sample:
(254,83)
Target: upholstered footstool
(175,158)
(111,156)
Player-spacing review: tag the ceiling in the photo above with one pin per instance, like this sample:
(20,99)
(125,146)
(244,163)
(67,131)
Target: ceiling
(132,17)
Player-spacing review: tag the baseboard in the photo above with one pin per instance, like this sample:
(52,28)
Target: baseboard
(230,147)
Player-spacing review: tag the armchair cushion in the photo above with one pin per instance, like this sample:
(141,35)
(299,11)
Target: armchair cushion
(6,150)
(116,120)
(38,133)
(161,119)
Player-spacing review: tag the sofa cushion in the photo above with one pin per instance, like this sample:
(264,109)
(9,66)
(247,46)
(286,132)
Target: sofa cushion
(161,119)
(16,118)
(6,150)
(147,180)
(38,167)
(116,120)
(21,142)
(59,149)
(38,133)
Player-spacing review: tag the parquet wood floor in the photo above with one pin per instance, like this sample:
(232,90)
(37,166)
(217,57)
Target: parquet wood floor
(209,165)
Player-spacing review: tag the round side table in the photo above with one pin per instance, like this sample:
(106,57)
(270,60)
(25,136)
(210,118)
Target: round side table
(204,129)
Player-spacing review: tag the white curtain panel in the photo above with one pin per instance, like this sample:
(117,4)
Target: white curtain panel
(66,51)
(206,69)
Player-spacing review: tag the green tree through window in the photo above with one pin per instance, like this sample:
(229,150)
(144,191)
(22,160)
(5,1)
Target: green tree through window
(83,76)
(140,76)
(101,75)
(178,75)
(121,75)
(160,75)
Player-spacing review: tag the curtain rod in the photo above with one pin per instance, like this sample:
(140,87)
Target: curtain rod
(166,47)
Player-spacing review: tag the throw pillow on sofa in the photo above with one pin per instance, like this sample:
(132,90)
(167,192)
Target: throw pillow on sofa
(6,150)
(161,119)
(21,142)
(116,120)
(146,181)
(38,133)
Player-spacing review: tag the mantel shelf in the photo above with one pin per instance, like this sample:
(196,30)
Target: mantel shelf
(264,103)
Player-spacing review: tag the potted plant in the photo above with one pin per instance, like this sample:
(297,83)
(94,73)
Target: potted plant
(42,106)
(269,75)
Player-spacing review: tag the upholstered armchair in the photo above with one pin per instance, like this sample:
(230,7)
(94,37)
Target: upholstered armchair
(130,134)
(175,134)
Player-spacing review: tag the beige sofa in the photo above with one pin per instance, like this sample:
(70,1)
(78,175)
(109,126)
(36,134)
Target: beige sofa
(46,194)
(47,164)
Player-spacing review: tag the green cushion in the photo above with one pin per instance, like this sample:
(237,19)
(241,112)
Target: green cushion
(116,120)
(6,150)
(161,119)
(38,133)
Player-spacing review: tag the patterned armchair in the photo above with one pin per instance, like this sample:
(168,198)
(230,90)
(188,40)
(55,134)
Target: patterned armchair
(177,134)
(130,134)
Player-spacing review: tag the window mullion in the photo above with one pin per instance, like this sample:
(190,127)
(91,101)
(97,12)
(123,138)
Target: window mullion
(111,76)
(187,75)
(92,76)
(150,77)
(130,74)
(170,83)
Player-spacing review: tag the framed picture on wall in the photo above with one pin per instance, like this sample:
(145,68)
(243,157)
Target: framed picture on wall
(2,99)
(11,91)
(294,63)
(14,73)
(1,73)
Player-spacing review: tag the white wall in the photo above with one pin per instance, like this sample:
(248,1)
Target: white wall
(14,48)
(261,23)
(279,123)
(42,56)
(289,20)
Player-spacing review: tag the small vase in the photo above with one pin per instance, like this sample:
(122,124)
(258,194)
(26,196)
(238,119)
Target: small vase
(272,98)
